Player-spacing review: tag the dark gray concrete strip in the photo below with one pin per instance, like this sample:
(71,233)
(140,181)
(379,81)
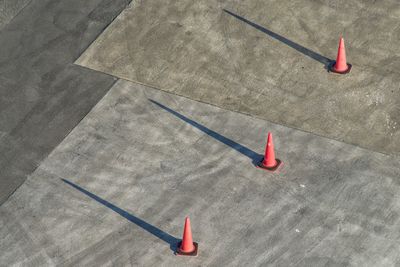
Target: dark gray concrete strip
(268,59)
(43,95)
(117,189)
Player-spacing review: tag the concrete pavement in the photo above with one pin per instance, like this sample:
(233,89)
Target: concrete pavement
(9,9)
(112,185)
(268,59)
(43,95)
(117,189)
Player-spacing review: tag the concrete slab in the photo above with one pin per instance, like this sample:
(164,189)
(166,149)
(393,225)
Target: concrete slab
(43,95)
(9,9)
(117,189)
(268,59)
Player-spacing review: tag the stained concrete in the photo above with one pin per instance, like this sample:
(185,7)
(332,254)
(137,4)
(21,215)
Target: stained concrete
(9,9)
(43,95)
(117,189)
(268,59)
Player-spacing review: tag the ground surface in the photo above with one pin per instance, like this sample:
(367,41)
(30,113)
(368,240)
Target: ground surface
(268,59)
(112,185)
(143,156)
(43,95)
(9,9)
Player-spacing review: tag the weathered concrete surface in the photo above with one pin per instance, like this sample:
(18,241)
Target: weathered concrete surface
(9,9)
(268,59)
(143,159)
(43,95)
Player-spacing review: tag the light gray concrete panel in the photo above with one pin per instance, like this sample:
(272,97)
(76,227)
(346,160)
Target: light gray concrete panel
(117,189)
(268,59)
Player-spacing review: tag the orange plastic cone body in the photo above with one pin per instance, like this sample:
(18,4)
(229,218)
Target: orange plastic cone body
(269,158)
(341,64)
(187,245)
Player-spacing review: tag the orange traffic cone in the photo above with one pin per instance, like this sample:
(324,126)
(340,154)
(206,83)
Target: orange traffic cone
(269,162)
(340,65)
(187,247)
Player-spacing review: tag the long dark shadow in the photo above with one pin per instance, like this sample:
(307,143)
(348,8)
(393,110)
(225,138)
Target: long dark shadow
(324,60)
(172,241)
(255,157)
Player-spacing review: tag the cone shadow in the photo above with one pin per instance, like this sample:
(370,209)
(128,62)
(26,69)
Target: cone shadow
(323,60)
(172,241)
(255,157)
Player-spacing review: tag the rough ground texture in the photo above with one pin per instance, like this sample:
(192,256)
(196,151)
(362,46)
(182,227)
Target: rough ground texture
(9,9)
(43,95)
(117,189)
(268,59)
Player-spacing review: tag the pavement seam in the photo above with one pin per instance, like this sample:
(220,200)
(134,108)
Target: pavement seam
(20,11)
(244,113)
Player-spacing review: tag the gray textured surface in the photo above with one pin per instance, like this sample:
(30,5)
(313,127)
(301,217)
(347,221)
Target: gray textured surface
(331,205)
(272,65)
(43,95)
(9,9)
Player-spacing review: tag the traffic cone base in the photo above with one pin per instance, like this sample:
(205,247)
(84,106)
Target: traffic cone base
(279,163)
(333,69)
(179,252)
